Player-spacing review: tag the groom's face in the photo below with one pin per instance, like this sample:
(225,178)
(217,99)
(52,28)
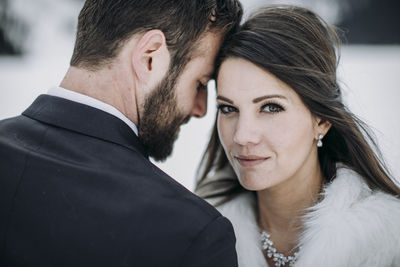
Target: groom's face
(177,98)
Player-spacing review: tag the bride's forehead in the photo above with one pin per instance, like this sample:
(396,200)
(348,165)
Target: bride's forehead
(245,77)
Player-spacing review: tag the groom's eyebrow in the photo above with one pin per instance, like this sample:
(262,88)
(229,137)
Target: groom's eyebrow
(224,99)
(212,75)
(208,76)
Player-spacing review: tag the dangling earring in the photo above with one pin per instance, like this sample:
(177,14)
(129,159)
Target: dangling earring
(319,143)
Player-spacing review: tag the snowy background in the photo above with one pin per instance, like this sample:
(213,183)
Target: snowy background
(42,32)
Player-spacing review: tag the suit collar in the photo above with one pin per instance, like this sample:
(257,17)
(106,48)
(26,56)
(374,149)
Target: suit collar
(83,119)
(90,101)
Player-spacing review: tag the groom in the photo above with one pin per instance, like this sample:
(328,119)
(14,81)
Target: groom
(76,185)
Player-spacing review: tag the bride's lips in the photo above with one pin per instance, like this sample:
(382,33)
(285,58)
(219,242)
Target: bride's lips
(250,160)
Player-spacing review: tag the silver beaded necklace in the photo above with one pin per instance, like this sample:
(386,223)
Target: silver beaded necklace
(272,253)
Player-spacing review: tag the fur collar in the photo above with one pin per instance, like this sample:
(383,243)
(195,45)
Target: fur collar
(351,226)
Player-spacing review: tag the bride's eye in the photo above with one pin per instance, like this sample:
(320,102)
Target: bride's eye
(272,108)
(226,109)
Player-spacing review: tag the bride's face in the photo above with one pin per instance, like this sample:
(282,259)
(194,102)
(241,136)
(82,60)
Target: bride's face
(268,134)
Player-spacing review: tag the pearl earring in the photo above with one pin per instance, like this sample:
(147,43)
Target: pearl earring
(319,143)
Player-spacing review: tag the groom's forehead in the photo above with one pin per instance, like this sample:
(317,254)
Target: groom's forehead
(207,44)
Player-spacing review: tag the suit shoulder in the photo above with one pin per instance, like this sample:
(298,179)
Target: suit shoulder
(193,204)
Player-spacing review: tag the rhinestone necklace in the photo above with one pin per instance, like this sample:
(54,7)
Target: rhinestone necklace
(278,258)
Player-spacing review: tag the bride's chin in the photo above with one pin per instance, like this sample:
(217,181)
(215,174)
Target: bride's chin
(252,184)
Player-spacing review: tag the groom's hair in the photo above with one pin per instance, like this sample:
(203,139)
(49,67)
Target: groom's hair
(105,25)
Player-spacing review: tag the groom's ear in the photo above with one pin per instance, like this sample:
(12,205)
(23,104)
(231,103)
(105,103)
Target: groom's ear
(151,58)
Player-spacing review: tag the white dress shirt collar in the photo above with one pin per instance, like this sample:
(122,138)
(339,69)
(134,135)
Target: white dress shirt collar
(90,101)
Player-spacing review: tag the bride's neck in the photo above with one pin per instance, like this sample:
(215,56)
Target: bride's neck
(280,208)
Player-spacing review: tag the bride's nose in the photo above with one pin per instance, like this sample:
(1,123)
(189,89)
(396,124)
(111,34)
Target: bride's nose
(246,131)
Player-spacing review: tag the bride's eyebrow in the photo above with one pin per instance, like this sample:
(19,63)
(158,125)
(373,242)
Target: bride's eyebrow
(255,100)
(261,98)
(224,99)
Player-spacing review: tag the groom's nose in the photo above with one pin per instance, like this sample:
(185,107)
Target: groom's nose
(199,108)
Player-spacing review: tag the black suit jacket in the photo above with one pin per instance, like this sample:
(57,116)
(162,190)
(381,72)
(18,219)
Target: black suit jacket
(77,189)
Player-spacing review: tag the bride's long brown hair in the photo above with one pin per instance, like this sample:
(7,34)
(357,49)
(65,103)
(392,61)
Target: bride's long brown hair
(301,49)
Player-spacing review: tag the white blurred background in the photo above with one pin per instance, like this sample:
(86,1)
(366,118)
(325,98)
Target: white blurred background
(37,38)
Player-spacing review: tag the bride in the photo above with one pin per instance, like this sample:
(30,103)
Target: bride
(288,163)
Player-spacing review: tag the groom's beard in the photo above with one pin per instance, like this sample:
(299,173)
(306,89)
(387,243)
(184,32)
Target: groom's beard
(161,119)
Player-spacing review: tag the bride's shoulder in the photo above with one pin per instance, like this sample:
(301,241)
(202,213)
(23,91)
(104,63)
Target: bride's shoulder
(353,220)
(349,191)
(242,212)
